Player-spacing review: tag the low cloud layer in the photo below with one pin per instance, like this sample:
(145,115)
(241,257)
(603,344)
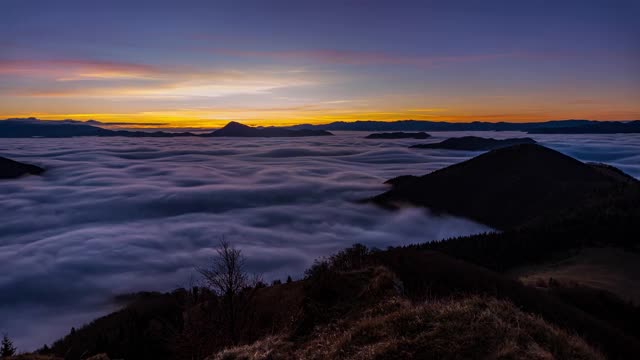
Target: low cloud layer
(118,215)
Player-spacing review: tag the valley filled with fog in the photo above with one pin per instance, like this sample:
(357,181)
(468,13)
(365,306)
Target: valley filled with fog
(118,215)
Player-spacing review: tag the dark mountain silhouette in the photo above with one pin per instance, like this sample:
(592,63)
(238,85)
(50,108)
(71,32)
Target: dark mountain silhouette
(21,128)
(423,125)
(398,135)
(32,127)
(604,127)
(474,143)
(613,171)
(235,129)
(504,188)
(608,219)
(35,128)
(10,169)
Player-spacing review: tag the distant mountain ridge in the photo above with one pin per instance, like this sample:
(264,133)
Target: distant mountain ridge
(399,135)
(31,127)
(474,143)
(593,128)
(561,126)
(235,129)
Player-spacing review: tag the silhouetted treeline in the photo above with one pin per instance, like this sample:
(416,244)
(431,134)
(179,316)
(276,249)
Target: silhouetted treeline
(609,221)
(144,329)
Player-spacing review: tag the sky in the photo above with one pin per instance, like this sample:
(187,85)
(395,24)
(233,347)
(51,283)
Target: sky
(203,63)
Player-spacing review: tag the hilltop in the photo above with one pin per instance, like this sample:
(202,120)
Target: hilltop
(504,188)
(235,129)
(10,169)
(398,135)
(397,328)
(474,143)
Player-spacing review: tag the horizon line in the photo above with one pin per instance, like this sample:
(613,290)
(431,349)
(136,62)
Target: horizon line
(223,122)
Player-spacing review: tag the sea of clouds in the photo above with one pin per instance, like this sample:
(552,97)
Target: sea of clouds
(117,215)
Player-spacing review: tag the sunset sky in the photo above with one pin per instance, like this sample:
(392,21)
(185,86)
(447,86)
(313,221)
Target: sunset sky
(203,63)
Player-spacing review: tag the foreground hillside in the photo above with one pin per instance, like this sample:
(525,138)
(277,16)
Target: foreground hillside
(473,327)
(362,304)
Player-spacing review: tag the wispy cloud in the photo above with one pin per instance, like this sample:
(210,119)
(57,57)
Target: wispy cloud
(77,69)
(584,102)
(351,57)
(89,78)
(427,110)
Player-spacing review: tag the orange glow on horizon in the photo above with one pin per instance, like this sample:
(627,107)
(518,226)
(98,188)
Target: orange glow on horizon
(184,96)
(197,119)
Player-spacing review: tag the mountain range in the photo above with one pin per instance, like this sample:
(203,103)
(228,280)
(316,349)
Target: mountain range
(399,135)
(23,128)
(235,129)
(32,127)
(553,126)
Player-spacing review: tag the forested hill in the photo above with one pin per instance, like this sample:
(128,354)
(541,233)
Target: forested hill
(506,188)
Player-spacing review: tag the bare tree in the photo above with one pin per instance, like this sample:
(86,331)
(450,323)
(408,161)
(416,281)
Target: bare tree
(227,278)
(226,275)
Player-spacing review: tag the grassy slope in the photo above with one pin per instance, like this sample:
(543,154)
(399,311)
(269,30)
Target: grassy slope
(609,269)
(474,327)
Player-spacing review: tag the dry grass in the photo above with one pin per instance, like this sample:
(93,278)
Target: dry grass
(610,269)
(475,327)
